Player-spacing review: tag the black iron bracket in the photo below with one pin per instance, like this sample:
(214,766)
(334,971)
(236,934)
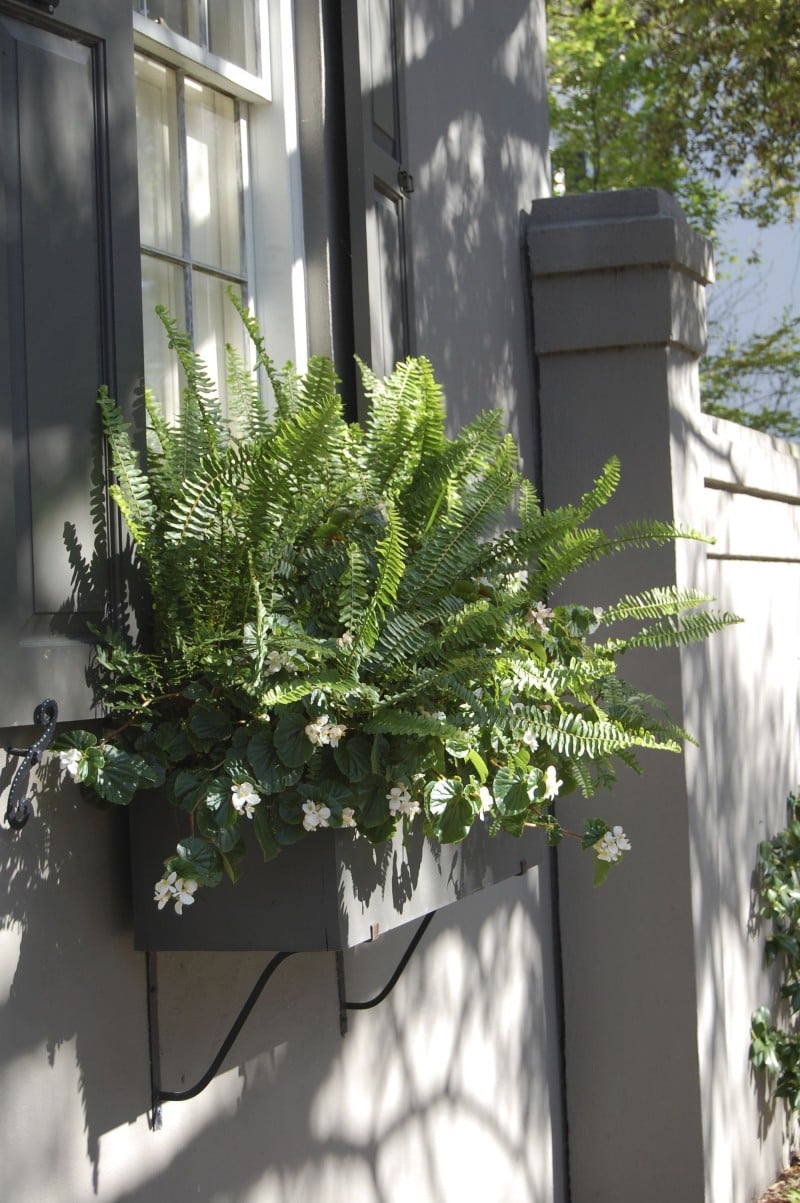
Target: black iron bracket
(345,1006)
(18,810)
(158,1095)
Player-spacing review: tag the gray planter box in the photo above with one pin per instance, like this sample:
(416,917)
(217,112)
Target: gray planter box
(329,891)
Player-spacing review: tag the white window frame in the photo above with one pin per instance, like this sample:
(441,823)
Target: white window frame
(273,217)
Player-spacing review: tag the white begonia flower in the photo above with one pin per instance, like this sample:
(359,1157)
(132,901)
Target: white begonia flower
(316,815)
(164,890)
(335,732)
(70,762)
(172,888)
(611,845)
(398,797)
(346,639)
(598,612)
(245,798)
(538,616)
(487,802)
(551,783)
(184,889)
(322,732)
(276,661)
(529,739)
(401,802)
(348,816)
(316,731)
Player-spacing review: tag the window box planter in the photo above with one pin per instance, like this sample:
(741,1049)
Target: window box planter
(344,637)
(329,891)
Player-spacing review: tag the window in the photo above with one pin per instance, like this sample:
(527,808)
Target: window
(202,96)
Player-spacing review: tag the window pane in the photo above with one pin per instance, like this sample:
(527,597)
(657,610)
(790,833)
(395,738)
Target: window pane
(157,140)
(232,32)
(216,323)
(162,284)
(214,222)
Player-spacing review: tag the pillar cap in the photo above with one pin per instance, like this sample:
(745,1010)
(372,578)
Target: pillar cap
(599,231)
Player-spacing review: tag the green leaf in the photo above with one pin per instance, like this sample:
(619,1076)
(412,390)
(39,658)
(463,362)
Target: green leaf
(199,860)
(479,765)
(593,830)
(353,757)
(450,814)
(511,792)
(271,773)
(120,776)
(372,805)
(73,739)
(209,724)
(186,789)
(601,871)
(220,826)
(287,833)
(173,741)
(264,833)
(291,742)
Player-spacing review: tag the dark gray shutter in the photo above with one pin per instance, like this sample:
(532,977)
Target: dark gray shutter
(379,179)
(69,321)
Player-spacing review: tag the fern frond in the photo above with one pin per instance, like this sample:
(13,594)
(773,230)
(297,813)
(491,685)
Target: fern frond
(655,603)
(390,553)
(131,492)
(405,722)
(451,548)
(250,418)
(573,735)
(677,632)
(282,382)
(200,393)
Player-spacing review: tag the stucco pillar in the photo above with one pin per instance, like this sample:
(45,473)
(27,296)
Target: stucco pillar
(619,322)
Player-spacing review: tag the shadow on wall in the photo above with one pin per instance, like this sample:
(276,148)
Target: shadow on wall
(61,898)
(449,1084)
(480,69)
(440,1094)
(743,702)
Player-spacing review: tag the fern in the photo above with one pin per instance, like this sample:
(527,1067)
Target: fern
(344,606)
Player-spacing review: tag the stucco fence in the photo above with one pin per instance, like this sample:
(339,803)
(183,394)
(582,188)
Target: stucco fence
(664,965)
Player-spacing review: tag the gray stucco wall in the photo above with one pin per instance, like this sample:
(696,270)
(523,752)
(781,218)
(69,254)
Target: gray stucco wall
(478,166)
(450,1090)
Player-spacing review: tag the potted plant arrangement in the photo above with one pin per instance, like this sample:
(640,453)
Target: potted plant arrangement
(347,633)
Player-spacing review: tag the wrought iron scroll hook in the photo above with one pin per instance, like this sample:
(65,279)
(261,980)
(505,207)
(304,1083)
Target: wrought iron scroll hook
(18,810)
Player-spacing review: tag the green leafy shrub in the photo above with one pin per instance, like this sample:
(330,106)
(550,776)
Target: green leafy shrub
(775,1039)
(346,633)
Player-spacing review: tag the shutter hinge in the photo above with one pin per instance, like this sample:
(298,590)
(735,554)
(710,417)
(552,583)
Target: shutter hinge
(405,181)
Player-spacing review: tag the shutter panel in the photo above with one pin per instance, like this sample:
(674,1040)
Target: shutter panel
(69,281)
(380,182)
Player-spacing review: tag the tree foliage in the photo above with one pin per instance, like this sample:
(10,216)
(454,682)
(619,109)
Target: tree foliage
(701,98)
(688,96)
